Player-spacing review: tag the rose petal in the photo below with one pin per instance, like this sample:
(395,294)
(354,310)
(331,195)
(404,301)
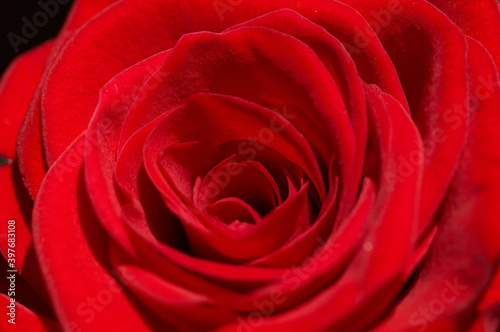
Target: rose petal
(17,87)
(477,19)
(25,319)
(426,49)
(464,257)
(85,306)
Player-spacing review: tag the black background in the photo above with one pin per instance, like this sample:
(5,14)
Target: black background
(11,14)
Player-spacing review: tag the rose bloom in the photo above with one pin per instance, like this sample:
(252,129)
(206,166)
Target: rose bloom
(237,165)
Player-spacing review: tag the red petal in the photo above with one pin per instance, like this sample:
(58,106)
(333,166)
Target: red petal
(466,251)
(83,261)
(25,319)
(479,19)
(16,90)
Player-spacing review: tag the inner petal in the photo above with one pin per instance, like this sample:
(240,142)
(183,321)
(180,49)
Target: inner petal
(231,209)
(246,180)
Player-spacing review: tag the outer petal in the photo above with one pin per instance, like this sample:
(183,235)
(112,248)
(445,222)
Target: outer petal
(466,251)
(25,319)
(479,19)
(16,89)
(30,148)
(62,211)
(103,39)
(429,53)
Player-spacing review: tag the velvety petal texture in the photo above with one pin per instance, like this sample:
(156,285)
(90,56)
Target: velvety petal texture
(258,165)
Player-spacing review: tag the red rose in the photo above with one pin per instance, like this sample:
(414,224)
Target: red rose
(239,165)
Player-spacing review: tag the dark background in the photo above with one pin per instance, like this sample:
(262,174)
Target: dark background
(11,20)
